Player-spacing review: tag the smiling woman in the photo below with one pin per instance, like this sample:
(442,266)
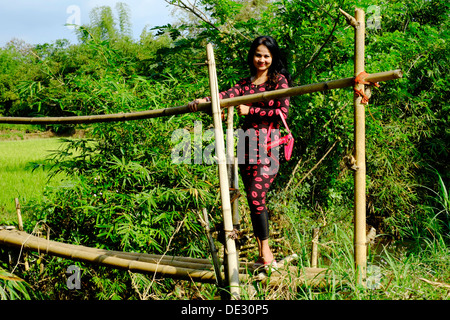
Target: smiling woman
(258,169)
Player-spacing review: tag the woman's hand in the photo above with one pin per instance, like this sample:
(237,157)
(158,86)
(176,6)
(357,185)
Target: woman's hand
(243,110)
(193,105)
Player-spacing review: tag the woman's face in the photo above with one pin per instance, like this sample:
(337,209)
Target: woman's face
(262,59)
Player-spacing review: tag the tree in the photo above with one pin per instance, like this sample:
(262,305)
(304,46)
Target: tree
(103,24)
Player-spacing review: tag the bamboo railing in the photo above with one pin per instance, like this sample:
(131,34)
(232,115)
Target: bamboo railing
(166,112)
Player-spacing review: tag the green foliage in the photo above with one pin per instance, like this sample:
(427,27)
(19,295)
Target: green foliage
(125,193)
(13,287)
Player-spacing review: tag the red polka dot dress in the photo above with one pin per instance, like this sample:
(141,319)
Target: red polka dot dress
(258,170)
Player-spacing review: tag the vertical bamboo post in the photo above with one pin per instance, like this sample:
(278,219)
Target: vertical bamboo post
(231,164)
(230,245)
(315,240)
(360,157)
(19,213)
(20,223)
(236,217)
(213,249)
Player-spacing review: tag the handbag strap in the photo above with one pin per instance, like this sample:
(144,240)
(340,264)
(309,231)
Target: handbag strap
(284,120)
(271,126)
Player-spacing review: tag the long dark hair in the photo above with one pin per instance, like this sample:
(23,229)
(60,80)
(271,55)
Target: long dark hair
(278,65)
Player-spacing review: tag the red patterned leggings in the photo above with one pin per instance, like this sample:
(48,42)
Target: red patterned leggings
(257,179)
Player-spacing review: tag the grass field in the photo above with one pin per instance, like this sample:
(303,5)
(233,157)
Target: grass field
(17,177)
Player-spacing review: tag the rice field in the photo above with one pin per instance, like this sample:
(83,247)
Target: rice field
(23,173)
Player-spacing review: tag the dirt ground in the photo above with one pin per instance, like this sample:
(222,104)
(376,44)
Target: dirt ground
(13,134)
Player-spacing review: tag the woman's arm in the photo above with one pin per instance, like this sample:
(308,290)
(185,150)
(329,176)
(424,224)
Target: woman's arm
(235,91)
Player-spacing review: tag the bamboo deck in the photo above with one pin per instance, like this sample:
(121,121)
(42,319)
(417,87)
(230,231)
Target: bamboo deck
(185,268)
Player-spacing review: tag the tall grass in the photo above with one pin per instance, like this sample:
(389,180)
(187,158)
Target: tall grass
(23,173)
(14,288)
(413,269)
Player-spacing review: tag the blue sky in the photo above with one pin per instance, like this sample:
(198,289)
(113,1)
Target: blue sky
(41,21)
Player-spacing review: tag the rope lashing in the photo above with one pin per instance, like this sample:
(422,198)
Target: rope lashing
(360,79)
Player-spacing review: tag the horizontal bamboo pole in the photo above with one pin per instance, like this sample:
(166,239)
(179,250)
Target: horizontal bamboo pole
(99,118)
(309,88)
(146,257)
(100,257)
(265,96)
(136,262)
(175,261)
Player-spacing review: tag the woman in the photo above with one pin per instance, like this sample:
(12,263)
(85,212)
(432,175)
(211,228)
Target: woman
(267,72)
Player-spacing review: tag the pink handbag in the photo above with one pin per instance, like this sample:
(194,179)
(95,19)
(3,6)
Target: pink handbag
(286,143)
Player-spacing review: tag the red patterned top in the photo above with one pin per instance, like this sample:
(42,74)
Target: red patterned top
(263,112)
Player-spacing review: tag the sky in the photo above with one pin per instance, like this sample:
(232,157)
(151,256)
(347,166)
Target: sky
(43,21)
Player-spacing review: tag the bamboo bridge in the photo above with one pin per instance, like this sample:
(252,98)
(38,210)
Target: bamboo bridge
(202,269)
